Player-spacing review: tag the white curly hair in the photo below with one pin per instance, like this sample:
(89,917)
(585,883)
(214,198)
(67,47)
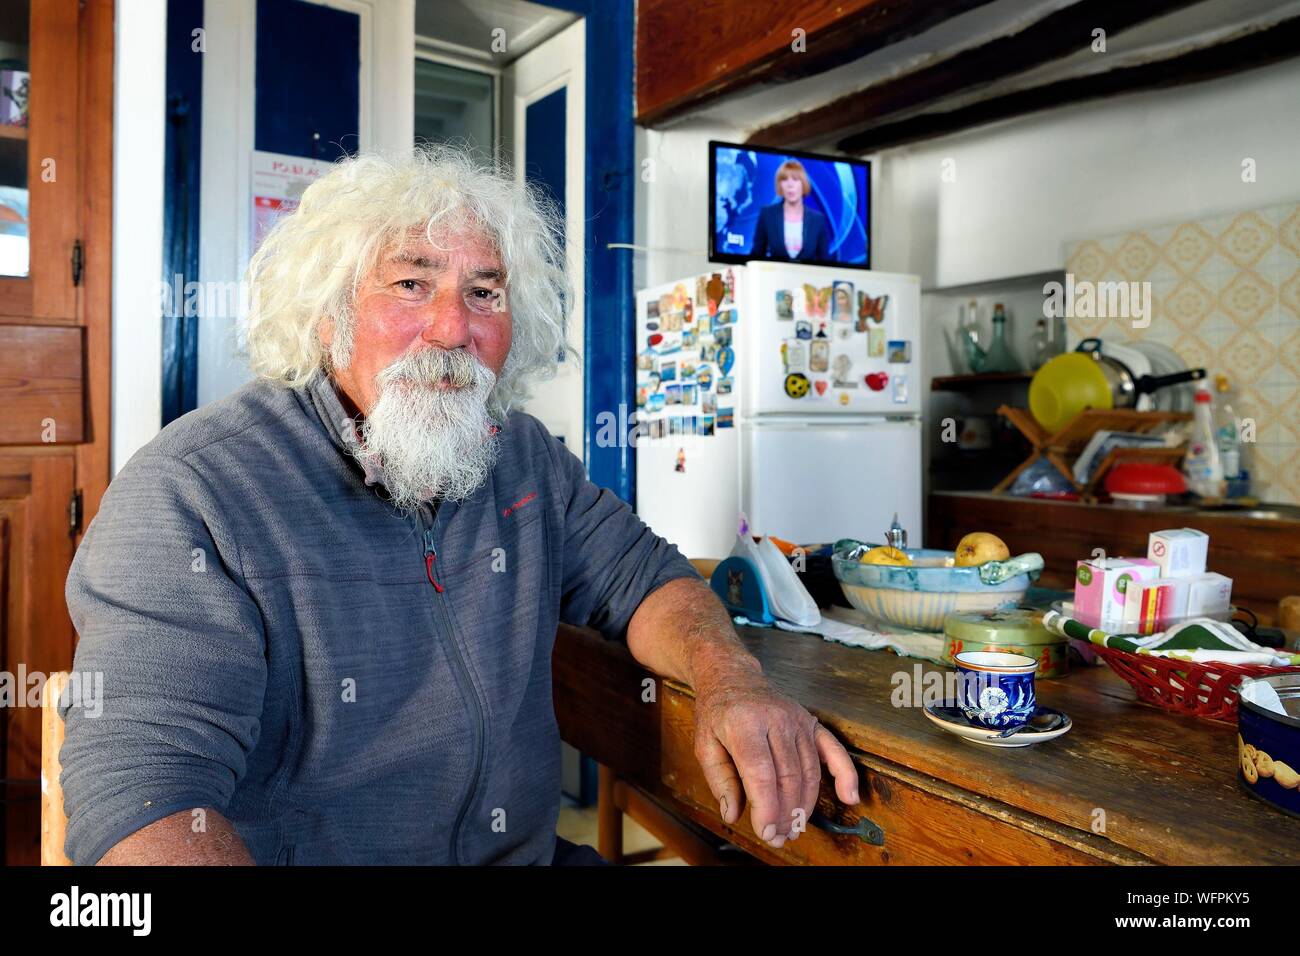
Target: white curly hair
(310,265)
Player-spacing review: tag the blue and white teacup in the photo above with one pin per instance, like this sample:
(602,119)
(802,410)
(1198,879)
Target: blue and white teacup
(994,689)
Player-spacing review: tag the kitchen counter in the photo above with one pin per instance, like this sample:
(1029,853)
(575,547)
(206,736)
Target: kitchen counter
(1129,784)
(1258,549)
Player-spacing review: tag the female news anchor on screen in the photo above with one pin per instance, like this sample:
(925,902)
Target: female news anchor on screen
(788,229)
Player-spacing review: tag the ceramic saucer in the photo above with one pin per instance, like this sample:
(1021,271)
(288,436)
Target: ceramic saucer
(948,716)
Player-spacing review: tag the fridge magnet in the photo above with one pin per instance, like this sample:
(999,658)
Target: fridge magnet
(784,305)
(669,346)
(843,332)
(652,326)
(703,324)
(652,310)
(679,297)
(900,351)
(674,393)
(658,428)
(844,398)
(656,402)
(729,283)
(665,304)
(722,336)
(819,359)
(821,330)
(686,370)
(724,386)
(795,355)
(689,424)
(726,417)
(803,329)
(688,312)
(681,461)
(796,385)
(841,372)
(721,318)
(877,381)
(689,393)
(655,340)
(842,302)
(869,308)
(688,339)
(653,382)
(726,359)
(709,353)
(816,301)
(675,425)
(715,289)
(668,372)
(706,425)
(702,290)
(643,394)
(820,385)
(900,389)
(708,403)
(671,322)
(704,378)
(644,361)
(875,342)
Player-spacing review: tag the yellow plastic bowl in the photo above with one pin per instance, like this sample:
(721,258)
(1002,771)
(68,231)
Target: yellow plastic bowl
(1065,386)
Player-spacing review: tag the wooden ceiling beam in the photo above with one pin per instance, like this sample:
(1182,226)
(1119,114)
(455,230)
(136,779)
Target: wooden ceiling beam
(1257,49)
(693,52)
(1061,33)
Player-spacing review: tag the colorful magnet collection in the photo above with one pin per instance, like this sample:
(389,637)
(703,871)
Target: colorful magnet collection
(684,395)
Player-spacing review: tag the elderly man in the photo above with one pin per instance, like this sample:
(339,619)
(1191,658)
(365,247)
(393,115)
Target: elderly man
(324,607)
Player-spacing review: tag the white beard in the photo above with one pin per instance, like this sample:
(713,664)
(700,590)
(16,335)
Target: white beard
(429,442)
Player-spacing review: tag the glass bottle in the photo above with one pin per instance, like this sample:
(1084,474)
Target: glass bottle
(1000,358)
(1041,344)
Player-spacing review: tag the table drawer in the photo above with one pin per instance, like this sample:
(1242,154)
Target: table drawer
(924,820)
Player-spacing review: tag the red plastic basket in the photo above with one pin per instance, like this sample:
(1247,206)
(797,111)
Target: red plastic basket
(1207,689)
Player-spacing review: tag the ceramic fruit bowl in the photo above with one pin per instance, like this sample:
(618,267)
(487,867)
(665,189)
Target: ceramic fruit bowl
(922,594)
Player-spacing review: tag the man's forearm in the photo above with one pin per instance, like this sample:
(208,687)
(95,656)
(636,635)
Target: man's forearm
(682,631)
(172,841)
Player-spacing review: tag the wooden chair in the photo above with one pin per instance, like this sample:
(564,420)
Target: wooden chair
(54,824)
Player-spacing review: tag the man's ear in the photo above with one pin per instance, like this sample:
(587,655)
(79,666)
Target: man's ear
(325,331)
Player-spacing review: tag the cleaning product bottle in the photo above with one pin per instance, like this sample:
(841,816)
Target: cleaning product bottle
(1203,467)
(1227,432)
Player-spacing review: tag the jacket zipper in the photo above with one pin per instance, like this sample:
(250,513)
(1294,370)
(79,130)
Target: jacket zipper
(467,686)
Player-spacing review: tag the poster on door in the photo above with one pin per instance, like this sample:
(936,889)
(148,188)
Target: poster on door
(278,182)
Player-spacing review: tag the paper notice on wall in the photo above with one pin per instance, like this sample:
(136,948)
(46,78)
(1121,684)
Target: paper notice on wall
(278,183)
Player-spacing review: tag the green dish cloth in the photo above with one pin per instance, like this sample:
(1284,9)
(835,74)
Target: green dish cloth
(1198,640)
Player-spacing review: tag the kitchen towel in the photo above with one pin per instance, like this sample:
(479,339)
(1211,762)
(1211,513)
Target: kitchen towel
(845,626)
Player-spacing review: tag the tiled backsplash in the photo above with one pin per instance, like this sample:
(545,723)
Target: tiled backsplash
(1226,296)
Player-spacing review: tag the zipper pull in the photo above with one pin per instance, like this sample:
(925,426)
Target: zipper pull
(429,556)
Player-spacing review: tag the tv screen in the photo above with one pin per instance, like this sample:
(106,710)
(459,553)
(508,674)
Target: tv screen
(780,204)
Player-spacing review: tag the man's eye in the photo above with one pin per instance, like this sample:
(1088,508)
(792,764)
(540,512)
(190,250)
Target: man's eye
(409,285)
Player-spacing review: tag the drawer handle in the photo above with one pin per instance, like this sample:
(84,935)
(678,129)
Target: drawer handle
(864,829)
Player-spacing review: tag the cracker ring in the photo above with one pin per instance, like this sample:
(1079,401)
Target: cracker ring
(1264,764)
(1249,772)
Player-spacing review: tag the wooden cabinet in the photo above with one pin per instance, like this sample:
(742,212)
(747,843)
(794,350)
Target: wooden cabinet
(55,289)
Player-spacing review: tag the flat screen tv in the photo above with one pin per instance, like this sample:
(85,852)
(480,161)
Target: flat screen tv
(786,205)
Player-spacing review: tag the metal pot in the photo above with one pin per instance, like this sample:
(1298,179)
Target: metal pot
(1125,387)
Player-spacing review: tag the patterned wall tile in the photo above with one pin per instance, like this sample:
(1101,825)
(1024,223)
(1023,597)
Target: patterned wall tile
(1226,296)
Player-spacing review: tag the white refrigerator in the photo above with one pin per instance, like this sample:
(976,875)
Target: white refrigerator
(788,393)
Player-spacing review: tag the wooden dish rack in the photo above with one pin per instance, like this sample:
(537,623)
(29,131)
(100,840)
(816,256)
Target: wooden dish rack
(1064,446)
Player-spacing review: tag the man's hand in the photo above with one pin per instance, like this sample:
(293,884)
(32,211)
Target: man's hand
(757,745)
(754,743)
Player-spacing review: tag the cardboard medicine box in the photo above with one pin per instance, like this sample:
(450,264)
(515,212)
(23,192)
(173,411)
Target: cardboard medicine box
(1180,552)
(1101,586)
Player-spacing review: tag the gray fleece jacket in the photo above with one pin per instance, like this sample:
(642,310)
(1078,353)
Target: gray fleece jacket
(344,683)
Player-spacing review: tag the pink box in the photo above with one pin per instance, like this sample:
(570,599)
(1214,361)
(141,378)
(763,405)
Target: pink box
(1100,588)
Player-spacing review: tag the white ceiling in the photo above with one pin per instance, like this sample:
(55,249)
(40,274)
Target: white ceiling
(465,27)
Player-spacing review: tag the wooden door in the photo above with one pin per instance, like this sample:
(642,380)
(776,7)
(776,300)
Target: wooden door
(55,234)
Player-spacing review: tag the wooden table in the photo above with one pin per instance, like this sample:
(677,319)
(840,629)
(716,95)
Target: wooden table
(1128,784)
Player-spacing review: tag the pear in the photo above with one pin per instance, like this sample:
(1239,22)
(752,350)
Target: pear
(980,547)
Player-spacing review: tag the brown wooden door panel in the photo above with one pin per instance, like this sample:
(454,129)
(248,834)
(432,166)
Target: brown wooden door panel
(53,173)
(38,637)
(42,384)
